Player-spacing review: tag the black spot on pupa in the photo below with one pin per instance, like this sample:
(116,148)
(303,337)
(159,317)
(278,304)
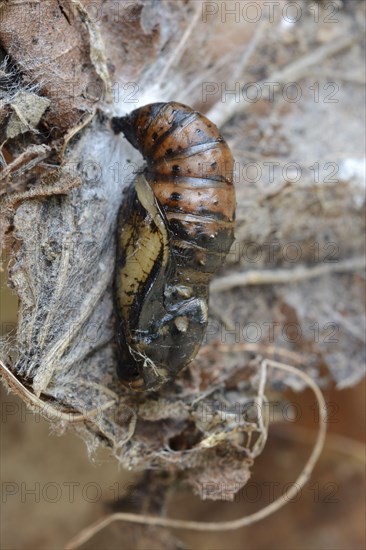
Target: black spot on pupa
(175,196)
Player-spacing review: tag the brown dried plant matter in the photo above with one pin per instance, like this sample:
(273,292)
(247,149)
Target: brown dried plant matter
(62,239)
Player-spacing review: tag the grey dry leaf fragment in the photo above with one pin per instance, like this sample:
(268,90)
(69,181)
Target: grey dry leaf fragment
(27,110)
(63,246)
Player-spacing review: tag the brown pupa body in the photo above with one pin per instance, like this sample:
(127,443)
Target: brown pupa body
(176,227)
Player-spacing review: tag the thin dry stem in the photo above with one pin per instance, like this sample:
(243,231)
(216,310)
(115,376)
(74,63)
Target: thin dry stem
(264,350)
(181,46)
(27,160)
(97,48)
(61,188)
(303,163)
(276,276)
(75,130)
(259,402)
(223,112)
(45,408)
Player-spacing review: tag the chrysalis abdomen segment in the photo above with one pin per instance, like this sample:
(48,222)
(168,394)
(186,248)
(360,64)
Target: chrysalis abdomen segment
(189,168)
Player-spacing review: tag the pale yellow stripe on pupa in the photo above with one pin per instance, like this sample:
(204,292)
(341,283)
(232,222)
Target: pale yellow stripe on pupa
(142,252)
